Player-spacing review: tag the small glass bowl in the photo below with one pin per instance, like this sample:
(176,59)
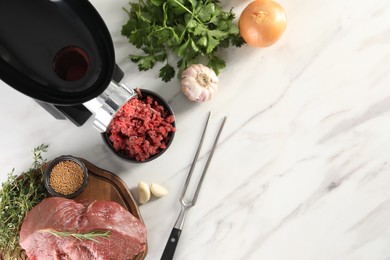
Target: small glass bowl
(49,169)
(171,135)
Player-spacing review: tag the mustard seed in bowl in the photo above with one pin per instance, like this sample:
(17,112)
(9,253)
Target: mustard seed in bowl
(66,176)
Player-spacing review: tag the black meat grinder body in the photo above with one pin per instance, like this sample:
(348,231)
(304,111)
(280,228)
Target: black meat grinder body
(58,52)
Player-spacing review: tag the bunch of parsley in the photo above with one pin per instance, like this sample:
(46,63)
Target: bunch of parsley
(190,29)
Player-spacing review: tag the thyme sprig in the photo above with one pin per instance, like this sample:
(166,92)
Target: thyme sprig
(18,195)
(80,236)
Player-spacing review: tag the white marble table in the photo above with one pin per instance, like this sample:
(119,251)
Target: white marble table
(302,168)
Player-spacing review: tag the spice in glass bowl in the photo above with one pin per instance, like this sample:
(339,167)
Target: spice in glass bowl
(66,177)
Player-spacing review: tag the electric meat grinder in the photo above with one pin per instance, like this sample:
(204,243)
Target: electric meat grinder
(60,53)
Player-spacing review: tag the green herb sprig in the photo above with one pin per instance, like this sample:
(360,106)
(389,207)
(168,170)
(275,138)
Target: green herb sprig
(18,195)
(80,236)
(190,29)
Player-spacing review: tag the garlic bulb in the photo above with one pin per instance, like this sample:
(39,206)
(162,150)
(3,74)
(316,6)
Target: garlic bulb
(199,83)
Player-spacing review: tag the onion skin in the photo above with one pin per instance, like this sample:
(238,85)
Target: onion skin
(262,23)
(199,83)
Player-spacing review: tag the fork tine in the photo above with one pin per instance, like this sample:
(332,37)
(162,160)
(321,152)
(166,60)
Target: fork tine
(195,158)
(208,162)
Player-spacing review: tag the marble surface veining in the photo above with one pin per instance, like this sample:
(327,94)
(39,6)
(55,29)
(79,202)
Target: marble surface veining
(302,167)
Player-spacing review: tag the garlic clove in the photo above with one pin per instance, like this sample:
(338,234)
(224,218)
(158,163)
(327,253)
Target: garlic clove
(158,190)
(143,192)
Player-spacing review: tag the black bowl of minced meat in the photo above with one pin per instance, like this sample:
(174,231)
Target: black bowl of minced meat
(142,129)
(66,176)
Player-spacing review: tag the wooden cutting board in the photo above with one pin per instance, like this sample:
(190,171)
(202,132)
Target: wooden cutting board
(104,185)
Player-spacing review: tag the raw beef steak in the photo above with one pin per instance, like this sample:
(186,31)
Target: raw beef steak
(127,233)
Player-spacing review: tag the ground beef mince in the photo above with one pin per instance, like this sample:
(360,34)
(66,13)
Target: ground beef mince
(141,128)
(127,233)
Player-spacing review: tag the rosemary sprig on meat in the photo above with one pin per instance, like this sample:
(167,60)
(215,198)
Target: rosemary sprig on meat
(80,236)
(18,195)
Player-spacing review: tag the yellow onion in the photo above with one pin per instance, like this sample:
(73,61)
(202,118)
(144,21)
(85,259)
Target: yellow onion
(199,83)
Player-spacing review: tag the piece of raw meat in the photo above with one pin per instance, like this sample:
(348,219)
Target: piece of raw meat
(127,233)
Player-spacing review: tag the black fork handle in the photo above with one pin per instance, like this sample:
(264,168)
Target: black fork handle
(172,242)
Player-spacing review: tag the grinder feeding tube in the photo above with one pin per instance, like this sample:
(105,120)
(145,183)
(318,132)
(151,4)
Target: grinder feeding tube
(60,53)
